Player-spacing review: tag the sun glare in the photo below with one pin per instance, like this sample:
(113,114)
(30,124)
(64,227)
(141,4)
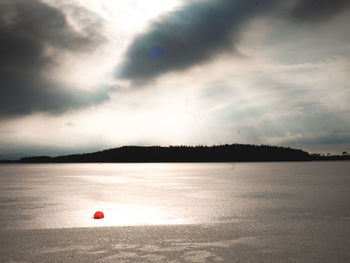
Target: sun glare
(164,121)
(128,14)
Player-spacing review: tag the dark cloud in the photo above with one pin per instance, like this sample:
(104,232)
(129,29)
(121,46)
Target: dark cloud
(29,29)
(188,36)
(318,10)
(202,29)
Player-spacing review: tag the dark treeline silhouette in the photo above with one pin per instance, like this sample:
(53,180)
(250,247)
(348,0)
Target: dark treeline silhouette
(319,157)
(8,161)
(216,153)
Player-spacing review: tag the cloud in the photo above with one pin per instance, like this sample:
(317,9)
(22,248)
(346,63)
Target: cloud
(32,35)
(318,10)
(189,36)
(203,29)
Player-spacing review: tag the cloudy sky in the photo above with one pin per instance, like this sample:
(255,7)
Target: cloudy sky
(84,75)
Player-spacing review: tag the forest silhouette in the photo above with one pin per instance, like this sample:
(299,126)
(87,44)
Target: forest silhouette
(216,153)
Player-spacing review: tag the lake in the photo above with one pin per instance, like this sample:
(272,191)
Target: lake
(42,196)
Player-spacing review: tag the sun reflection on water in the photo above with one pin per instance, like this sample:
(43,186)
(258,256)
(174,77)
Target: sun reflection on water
(126,215)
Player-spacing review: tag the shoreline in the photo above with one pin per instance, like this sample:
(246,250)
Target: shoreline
(285,161)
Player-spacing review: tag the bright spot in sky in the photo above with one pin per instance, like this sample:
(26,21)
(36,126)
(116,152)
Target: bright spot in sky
(130,14)
(150,6)
(169,121)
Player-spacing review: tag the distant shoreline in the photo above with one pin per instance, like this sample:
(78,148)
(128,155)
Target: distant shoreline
(291,161)
(187,154)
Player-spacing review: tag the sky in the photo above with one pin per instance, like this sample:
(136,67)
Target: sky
(85,75)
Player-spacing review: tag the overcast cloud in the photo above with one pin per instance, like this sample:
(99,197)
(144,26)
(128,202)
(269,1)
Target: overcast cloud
(203,29)
(33,35)
(80,75)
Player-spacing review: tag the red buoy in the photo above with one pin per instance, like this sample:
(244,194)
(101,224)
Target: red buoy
(99,215)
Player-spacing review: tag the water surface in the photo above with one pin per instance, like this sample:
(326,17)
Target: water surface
(37,196)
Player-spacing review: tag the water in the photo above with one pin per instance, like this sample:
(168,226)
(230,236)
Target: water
(39,196)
